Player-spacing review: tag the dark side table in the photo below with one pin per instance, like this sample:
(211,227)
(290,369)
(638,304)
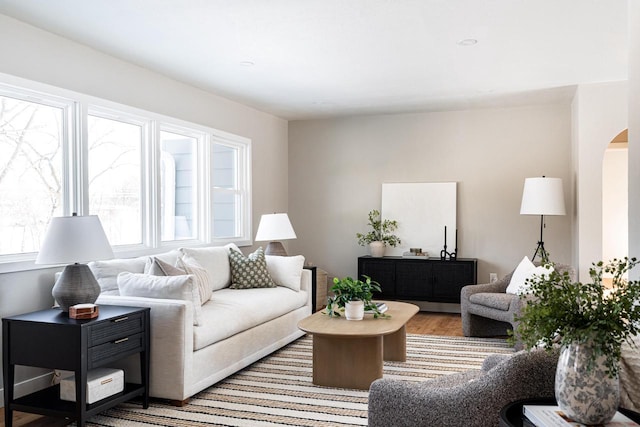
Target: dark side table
(511,414)
(50,339)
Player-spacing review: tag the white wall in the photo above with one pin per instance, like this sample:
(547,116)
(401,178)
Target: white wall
(599,114)
(36,55)
(634,133)
(615,203)
(337,167)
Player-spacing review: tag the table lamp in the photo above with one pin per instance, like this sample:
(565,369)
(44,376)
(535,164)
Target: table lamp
(272,228)
(542,196)
(75,240)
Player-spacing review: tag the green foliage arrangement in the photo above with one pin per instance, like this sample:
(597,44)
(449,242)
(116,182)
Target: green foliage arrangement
(349,289)
(381,231)
(566,312)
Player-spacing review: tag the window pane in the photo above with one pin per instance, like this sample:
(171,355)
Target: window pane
(224,166)
(178,186)
(225,207)
(226,202)
(115,178)
(31,173)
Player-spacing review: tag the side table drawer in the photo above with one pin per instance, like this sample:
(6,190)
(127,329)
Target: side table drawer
(115,329)
(115,349)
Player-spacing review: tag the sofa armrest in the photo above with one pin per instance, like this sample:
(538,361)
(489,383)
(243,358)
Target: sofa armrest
(171,342)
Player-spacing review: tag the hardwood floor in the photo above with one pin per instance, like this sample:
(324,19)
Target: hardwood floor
(425,323)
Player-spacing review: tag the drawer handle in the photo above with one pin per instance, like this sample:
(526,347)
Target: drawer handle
(120,319)
(121,340)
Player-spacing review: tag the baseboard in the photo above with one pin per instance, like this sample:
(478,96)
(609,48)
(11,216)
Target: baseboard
(29,386)
(440,307)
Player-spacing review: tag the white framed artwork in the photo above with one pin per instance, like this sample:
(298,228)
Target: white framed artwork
(423,210)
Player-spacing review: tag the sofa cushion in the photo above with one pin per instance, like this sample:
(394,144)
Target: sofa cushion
(203,281)
(158,267)
(525,270)
(286,270)
(106,272)
(162,287)
(213,259)
(249,272)
(499,301)
(231,311)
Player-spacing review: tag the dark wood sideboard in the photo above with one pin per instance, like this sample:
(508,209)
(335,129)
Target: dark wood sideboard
(430,279)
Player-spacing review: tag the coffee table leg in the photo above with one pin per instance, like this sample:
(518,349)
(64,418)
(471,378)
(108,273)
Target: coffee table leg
(347,362)
(395,346)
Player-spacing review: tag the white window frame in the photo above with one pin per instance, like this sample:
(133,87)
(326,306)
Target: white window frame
(201,195)
(242,190)
(77,107)
(69,138)
(145,168)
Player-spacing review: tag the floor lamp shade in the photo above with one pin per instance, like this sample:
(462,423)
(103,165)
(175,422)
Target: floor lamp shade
(542,196)
(75,240)
(272,228)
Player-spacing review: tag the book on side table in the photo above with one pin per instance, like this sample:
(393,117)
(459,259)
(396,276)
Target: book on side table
(552,416)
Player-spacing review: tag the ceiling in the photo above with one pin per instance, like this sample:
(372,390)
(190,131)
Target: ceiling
(301,59)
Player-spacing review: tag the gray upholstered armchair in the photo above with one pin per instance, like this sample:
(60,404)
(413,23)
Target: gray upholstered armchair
(487,310)
(467,399)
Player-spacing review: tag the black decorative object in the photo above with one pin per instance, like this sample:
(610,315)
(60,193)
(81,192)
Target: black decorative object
(451,256)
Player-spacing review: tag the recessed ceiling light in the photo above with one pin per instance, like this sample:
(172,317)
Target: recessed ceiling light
(467,42)
(247,63)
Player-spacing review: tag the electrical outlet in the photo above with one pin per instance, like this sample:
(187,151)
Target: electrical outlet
(493,277)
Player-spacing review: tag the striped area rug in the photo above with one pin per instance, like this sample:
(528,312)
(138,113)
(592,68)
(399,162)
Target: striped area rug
(277,390)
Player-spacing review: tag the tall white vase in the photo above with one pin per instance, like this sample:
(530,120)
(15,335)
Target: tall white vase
(590,397)
(377,249)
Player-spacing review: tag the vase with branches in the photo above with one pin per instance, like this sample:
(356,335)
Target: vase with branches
(590,322)
(380,235)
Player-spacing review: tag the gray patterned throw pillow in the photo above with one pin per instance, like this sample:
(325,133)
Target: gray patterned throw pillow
(249,272)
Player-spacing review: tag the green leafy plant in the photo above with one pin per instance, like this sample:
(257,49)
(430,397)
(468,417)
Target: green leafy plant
(564,312)
(381,231)
(349,289)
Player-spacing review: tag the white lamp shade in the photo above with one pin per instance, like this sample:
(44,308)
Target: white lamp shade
(275,227)
(542,196)
(74,239)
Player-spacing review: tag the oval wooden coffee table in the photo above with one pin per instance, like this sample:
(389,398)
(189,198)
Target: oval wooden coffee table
(350,353)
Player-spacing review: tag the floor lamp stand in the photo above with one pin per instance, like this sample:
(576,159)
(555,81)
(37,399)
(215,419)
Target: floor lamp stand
(540,248)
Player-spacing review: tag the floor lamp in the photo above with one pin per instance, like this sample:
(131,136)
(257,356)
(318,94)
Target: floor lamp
(542,196)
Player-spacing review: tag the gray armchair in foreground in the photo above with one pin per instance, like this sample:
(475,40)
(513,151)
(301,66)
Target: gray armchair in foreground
(488,311)
(467,399)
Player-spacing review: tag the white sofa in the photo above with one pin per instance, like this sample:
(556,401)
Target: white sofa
(236,328)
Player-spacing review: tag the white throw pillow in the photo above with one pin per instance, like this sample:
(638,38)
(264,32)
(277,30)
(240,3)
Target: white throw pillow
(525,270)
(213,259)
(106,272)
(286,270)
(162,287)
(200,275)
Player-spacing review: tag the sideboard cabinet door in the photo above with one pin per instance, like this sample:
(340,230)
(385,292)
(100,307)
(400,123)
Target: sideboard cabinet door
(381,270)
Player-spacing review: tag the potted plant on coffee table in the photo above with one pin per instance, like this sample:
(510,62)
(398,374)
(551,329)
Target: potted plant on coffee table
(355,296)
(590,322)
(380,235)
